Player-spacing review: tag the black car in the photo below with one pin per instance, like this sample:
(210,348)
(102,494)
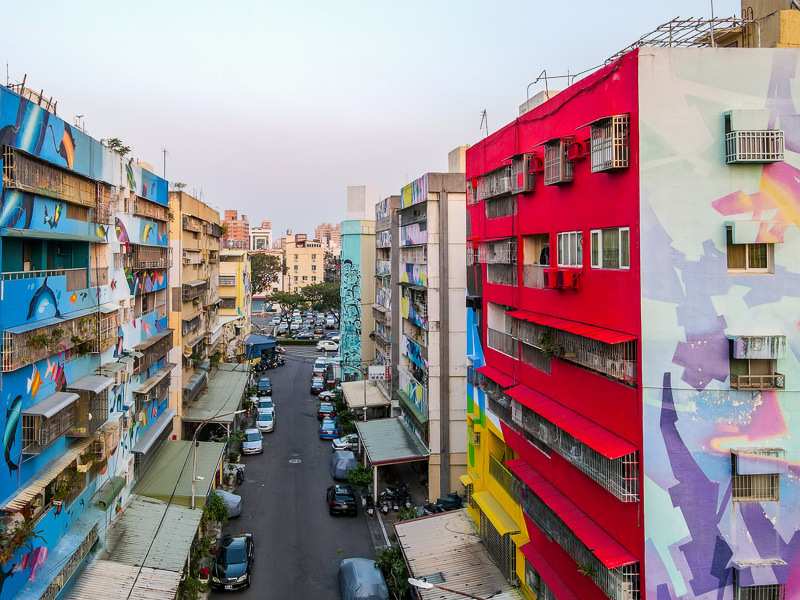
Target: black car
(304,335)
(231,569)
(325,410)
(342,499)
(265,387)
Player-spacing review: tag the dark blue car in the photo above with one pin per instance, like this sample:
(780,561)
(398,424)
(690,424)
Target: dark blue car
(265,387)
(328,429)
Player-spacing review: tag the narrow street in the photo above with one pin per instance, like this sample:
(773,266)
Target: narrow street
(298,545)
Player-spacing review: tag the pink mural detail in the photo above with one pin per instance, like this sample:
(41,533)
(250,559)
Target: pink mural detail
(32,560)
(766,422)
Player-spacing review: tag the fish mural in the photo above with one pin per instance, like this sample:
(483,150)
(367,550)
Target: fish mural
(52,220)
(66,149)
(119,351)
(43,298)
(32,560)
(13,206)
(73,298)
(122,234)
(129,174)
(148,229)
(102,232)
(13,414)
(34,382)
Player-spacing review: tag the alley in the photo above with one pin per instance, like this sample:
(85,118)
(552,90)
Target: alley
(298,545)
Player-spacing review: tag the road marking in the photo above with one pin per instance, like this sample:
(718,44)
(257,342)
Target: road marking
(294,461)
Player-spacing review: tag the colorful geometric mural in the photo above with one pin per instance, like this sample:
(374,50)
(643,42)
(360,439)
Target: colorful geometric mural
(414,274)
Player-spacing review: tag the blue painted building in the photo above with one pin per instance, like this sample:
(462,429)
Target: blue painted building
(83,374)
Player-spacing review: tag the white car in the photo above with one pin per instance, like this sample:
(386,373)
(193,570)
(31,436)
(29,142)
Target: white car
(327,346)
(348,442)
(265,404)
(252,442)
(266,421)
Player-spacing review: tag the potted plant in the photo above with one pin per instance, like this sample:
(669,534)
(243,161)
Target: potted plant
(233,456)
(205,573)
(62,492)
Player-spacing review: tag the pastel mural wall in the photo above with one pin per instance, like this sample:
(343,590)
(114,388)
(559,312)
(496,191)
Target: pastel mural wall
(692,307)
(414,274)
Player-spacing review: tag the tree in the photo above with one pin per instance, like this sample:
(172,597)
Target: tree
(264,270)
(390,562)
(323,296)
(117,146)
(289,301)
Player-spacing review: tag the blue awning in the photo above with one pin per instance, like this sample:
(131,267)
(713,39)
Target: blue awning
(255,343)
(151,435)
(51,235)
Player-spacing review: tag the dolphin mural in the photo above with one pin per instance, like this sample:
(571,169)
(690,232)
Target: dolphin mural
(43,295)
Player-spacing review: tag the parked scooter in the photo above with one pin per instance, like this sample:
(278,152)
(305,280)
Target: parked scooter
(370,505)
(237,471)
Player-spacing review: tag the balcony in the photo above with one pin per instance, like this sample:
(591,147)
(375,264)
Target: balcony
(214,230)
(776,381)
(383,268)
(382,338)
(191,223)
(76,279)
(414,214)
(533,276)
(150,210)
(213,256)
(25,172)
(103,211)
(417,255)
(495,183)
(381,315)
(192,324)
(194,290)
(501,274)
(502,342)
(152,351)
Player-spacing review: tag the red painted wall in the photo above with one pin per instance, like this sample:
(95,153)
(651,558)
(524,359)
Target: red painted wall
(605,298)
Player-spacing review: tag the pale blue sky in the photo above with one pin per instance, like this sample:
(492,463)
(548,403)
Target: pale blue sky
(273,108)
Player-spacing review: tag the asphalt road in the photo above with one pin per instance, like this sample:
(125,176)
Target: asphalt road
(298,545)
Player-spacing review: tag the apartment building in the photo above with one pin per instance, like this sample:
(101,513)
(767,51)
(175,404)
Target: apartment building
(85,262)
(387,261)
(356,322)
(237,231)
(261,237)
(195,235)
(633,301)
(235,294)
(329,235)
(304,262)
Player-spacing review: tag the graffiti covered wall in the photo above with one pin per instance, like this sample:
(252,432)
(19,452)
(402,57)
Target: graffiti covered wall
(692,308)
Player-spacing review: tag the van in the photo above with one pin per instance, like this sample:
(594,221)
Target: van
(252,442)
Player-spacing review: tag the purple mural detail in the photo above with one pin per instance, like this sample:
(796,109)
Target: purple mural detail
(779,98)
(704,357)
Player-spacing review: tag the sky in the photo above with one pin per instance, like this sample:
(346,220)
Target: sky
(273,108)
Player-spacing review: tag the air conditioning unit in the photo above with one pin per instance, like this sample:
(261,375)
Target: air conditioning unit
(567,278)
(551,279)
(576,150)
(537,163)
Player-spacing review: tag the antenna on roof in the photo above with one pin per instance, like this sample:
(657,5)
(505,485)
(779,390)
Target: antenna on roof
(795,4)
(484,119)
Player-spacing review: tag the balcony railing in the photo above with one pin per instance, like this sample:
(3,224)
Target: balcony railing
(151,257)
(192,224)
(153,351)
(502,342)
(503,476)
(414,215)
(382,337)
(775,381)
(417,255)
(754,146)
(501,274)
(27,173)
(533,276)
(191,292)
(383,267)
(77,279)
(150,210)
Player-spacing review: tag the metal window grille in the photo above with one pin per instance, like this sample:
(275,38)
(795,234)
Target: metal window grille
(503,476)
(755,488)
(618,361)
(533,276)
(536,584)
(757,592)
(417,255)
(495,183)
(29,174)
(498,252)
(151,257)
(501,549)
(502,342)
(501,274)
(776,381)
(473,196)
(190,292)
(39,432)
(469,490)
(502,207)
(610,144)
(522,179)
(144,208)
(557,167)
(229,280)
(535,441)
(534,357)
(91,412)
(622,583)
(754,147)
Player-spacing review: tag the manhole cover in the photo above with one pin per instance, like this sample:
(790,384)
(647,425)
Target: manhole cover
(294,461)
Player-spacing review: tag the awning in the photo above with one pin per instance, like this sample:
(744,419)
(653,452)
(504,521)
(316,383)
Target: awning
(36,486)
(224,396)
(608,336)
(145,442)
(152,381)
(497,376)
(501,520)
(446,548)
(195,283)
(92,383)
(33,325)
(109,308)
(380,307)
(590,433)
(204,365)
(412,286)
(169,476)
(388,441)
(764,571)
(194,382)
(51,405)
(256,343)
(51,235)
(412,407)
(549,576)
(111,368)
(769,461)
(354,394)
(465,480)
(607,550)
(108,492)
(197,340)
(147,343)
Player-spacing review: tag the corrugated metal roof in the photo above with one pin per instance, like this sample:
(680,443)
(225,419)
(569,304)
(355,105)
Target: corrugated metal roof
(387,441)
(225,392)
(51,235)
(146,344)
(449,544)
(497,376)
(609,336)
(51,405)
(354,394)
(163,421)
(151,382)
(108,580)
(91,383)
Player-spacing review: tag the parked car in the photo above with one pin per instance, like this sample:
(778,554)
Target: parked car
(336,337)
(341,463)
(327,395)
(275,321)
(317,385)
(327,346)
(330,323)
(319,370)
(282,328)
(266,421)
(318,330)
(264,387)
(342,499)
(295,326)
(348,442)
(304,335)
(252,442)
(325,410)
(233,501)
(360,580)
(328,429)
(231,569)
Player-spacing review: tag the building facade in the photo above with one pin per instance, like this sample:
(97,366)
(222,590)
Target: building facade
(261,237)
(356,322)
(305,264)
(195,235)
(329,235)
(235,294)
(85,262)
(632,330)
(385,311)
(237,231)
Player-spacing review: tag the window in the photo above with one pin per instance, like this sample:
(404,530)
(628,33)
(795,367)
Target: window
(305,278)
(313,257)
(570,249)
(295,279)
(610,143)
(313,267)
(611,248)
(296,256)
(774,591)
(296,268)
(557,166)
(752,258)
(755,474)
(313,279)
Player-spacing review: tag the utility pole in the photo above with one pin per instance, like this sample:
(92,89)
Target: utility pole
(164,152)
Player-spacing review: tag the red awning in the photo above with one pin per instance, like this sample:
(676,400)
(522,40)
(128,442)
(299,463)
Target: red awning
(607,550)
(497,376)
(609,336)
(557,585)
(590,433)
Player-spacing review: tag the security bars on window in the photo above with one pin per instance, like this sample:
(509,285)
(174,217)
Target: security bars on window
(754,147)
(501,207)
(557,167)
(755,488)
(619,476)
(757,592)
(501,549)
(610,144)
(535,582)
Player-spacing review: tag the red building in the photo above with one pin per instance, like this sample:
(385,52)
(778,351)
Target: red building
(237,234)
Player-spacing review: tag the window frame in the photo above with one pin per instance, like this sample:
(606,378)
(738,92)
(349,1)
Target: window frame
(596,259)
(747,269)
(560,250)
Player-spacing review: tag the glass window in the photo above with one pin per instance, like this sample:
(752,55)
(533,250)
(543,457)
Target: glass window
(611,248)
(747,257)
(570,249)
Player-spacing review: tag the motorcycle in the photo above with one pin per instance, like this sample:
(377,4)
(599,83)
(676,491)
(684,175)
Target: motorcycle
(237,471)
(370,505)
(385,506)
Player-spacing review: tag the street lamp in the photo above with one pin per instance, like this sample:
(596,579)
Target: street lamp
(195,478)
(422,584)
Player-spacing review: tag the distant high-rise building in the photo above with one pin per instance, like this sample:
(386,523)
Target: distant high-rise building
(261,237)
(328,235)
(237,234)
